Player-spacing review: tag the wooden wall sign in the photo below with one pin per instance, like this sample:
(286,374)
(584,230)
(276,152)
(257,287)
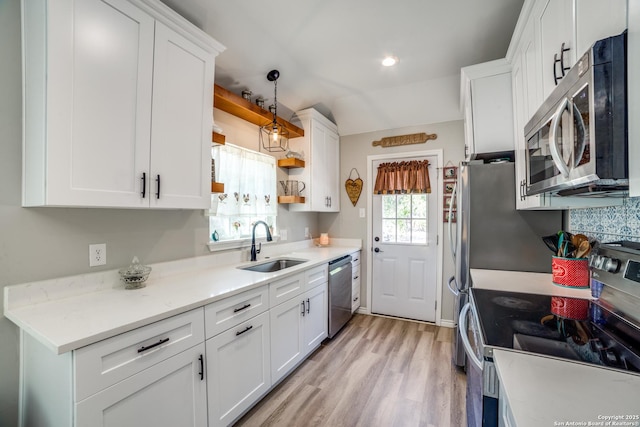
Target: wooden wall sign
(354,187)
(414,138)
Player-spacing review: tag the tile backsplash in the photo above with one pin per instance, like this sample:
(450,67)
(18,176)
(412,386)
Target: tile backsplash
(610,223)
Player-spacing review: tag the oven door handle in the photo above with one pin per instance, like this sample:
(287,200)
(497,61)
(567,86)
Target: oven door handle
(462,329)
(553,139)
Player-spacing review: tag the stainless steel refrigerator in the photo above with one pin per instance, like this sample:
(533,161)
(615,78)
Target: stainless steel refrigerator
(491,234)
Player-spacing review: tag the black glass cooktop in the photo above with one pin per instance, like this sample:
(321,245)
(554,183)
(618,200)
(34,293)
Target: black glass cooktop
(568,328)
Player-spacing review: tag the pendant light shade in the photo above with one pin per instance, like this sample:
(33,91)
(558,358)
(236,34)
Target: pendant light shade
(273,136)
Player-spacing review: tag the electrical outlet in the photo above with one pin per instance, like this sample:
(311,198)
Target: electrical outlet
(306,232)
(97,254)
(283,234)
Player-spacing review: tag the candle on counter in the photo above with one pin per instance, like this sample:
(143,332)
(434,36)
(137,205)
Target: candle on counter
(324,239)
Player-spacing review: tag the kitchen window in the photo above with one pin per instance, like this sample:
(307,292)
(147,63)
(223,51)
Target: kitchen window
(249,180)
(404,218)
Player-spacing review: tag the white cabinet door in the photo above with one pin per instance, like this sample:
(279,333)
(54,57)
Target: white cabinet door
(238,369)
(181,124)
(286,337)
(597,19)
(170,393)
(488,108)
(315,318)
(332,171)
(556,26)
(87,102)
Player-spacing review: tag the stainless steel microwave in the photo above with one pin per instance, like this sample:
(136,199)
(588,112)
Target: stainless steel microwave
(576,143)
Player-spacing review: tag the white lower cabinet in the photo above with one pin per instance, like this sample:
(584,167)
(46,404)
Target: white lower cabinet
(178,383)
(299,325)
(287,337)
(238,369)
(355,281)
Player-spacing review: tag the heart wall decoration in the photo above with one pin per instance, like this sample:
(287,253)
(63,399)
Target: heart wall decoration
(354,187)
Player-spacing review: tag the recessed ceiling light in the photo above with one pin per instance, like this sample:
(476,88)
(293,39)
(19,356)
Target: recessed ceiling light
(389,61)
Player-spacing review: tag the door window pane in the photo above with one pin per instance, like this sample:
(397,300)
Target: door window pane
(404,218)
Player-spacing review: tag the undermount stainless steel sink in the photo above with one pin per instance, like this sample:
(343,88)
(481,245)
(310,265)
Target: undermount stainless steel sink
(273,265)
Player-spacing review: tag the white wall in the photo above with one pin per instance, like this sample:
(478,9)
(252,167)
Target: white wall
(354,150)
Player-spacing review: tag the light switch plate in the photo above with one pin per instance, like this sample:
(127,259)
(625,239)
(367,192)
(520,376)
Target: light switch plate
(362,212)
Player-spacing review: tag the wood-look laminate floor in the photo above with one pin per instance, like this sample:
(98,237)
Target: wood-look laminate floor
(377,371)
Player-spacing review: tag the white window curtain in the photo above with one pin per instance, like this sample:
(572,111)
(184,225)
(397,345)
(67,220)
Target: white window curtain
(249,180)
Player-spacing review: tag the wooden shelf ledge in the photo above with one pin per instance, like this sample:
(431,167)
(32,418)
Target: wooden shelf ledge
(218,138)
(217,187)
(290,199)
(238,106)
(291,162)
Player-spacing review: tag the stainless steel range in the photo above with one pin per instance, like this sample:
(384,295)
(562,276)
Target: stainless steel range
(604,332)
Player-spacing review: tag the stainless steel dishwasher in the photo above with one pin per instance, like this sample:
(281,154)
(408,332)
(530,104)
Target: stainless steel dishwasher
(339,293)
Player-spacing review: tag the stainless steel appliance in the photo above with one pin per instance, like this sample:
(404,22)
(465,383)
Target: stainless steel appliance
(491,234)
(604,332)
(577,140)
(339,293)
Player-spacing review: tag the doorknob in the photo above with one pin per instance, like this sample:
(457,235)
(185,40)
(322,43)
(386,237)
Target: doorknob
(377,239)
(377,250)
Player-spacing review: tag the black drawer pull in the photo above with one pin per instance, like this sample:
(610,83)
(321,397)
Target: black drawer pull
(355,299)
(303,307)
(308,305)
(149,347)
(244,307)
(201,359)
(158,192)
(245,330)
(355,277)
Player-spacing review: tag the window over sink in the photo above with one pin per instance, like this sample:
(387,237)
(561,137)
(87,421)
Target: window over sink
(250,195)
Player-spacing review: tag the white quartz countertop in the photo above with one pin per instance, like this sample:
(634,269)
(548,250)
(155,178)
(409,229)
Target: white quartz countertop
(65,320)
(542,391)
(520,281)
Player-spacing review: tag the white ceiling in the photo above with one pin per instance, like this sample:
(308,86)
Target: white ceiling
(328,53)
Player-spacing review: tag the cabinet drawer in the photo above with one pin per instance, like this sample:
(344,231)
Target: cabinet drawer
(316,276)
(355,258)
(285,289)
(107,362)
(229,312)
(355,294)
(355,272)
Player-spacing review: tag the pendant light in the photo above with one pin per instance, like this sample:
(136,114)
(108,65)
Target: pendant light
(273,136)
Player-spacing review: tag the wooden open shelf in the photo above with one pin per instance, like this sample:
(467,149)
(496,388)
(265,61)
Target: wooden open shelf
(291,162)
(217,187)
(290,199)
(218,138)
(238,106)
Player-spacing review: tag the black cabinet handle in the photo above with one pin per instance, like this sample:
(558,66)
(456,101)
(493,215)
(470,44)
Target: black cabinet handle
(149,347)
(562,67)
(355,299)
(303,307)
(244,307)
(201,367)
(144,184)
(158,192)
(245,330)
(355,277)
(308,306)
(555,63)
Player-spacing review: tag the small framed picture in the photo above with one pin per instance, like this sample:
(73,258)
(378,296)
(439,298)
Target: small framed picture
(450,172)
(448,187)
(447,202)
(445,216)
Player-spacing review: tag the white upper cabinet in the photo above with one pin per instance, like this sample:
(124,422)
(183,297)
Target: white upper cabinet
(575,25)
(536,54)
(321,148)
(487,104)
(556,29)
(117,105)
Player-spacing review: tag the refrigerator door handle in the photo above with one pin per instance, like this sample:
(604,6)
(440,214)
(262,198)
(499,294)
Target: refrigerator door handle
(462,330)
(452,244)
(453,290)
